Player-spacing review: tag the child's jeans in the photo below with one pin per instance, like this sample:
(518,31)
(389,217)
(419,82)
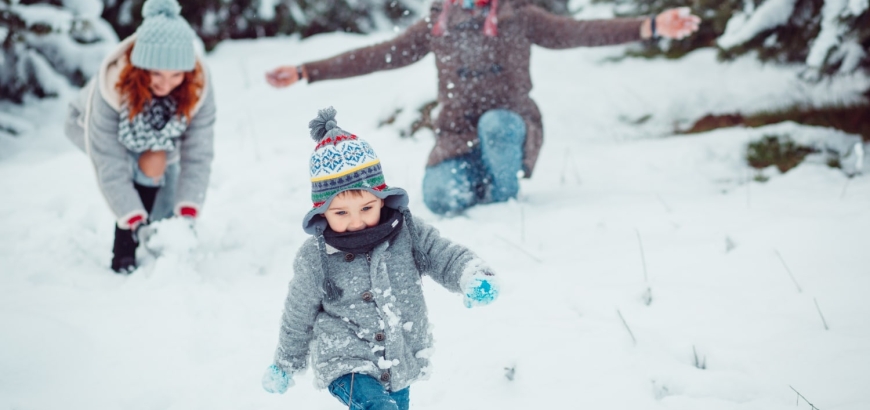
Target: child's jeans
(486,174)
(164,203)
(368,393)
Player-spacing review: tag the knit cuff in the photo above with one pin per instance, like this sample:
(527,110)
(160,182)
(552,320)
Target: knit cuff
(187,209)
(132,220)
(475,268)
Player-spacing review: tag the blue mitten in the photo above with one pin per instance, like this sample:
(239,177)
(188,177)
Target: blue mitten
(276,380)
(481,290)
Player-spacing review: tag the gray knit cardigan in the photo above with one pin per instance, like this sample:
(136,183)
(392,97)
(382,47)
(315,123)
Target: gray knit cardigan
(378,326)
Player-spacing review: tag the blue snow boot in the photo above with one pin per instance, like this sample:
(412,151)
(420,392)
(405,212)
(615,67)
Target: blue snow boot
(502,134)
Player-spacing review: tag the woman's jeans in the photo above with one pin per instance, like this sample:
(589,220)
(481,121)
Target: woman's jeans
(164,204)
(368,393)
(486,174)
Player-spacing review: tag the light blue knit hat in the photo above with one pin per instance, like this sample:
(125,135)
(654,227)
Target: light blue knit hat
(164,41)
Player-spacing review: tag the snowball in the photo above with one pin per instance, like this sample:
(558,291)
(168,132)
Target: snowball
(174,235)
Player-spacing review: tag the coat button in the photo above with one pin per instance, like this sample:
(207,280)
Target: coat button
(380,337)
(385,377)
(367,296)
(348,257)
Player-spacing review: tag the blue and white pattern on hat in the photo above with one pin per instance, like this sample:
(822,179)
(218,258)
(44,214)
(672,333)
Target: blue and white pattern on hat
(342,156)
(340,162)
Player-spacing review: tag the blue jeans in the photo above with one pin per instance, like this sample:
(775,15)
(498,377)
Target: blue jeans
(164,204)
(368,393)
(486,174)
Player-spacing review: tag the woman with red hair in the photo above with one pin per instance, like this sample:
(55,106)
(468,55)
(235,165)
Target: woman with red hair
(146,122)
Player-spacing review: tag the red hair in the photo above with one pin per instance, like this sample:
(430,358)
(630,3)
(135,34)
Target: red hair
(134,84)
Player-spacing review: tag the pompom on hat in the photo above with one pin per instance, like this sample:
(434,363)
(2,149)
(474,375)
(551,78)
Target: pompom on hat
(164,40)
(341,162)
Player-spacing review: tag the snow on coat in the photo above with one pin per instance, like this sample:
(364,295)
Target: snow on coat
(477,73)
(99,103)
(379,325)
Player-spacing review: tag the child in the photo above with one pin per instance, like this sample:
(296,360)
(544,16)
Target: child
(356,297)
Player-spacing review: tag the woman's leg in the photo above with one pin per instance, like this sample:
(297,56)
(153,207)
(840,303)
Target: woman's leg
(153,164)
(148,175)
(368,393)
(164,203)
(454,184)
(502,134)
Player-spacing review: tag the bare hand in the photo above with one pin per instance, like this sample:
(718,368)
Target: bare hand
(283,76)
(676,23)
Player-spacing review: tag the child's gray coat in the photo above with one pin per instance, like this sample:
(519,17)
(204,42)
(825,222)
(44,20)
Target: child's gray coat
(379,325)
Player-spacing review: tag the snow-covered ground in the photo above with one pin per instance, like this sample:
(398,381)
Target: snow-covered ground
(630,252)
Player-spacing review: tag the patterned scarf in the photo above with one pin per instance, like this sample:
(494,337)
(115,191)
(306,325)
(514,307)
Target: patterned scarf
(156,128)
(490,24)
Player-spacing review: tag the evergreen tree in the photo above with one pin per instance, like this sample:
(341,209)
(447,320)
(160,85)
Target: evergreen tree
(213,20)
(46,44)
(828,37)
(216,20)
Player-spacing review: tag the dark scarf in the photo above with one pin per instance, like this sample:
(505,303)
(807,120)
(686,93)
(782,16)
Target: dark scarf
(331,292)
(160,112)
(365,240)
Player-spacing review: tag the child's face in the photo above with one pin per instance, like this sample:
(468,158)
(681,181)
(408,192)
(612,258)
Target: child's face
(353,211)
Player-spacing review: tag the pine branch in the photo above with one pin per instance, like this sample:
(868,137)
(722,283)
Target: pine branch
(520,248)
(699,363)
(642,256)
(800,396)
(634,341)
(788,270)
(824,322)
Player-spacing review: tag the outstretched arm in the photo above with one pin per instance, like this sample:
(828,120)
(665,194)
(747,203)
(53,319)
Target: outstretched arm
(456,267)
(407,48)
(558,32)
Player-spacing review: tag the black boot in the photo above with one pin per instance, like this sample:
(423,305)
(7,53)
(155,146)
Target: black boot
(124,251)
(147,194)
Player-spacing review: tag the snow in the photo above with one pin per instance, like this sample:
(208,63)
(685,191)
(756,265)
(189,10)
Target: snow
(768,15)
(55,17)
(77,42)
(830,34)
(851,53)
(624,227)
(856,7)
(833,37)
(90,8)
(266,10)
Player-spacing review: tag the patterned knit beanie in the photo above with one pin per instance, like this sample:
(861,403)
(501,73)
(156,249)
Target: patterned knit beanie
(340,162)
(164,41)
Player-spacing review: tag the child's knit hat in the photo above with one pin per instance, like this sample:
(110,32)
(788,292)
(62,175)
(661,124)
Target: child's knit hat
(164,41)
(340,162)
